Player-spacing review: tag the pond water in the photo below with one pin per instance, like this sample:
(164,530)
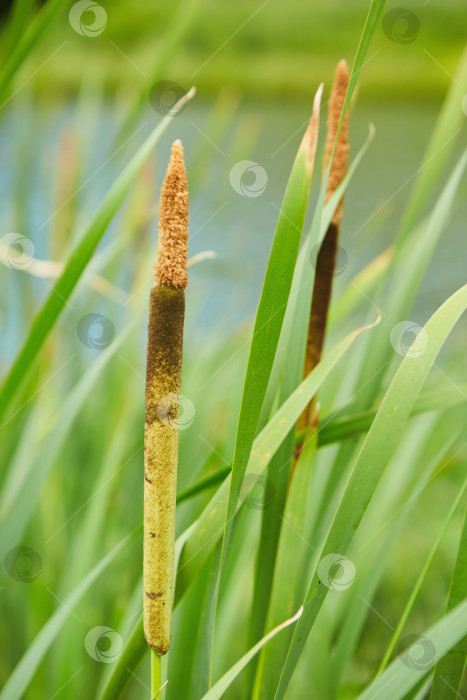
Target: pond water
(241,232)
(239,228)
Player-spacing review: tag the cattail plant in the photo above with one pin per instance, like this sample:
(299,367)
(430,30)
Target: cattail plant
(163,375)
(327,254)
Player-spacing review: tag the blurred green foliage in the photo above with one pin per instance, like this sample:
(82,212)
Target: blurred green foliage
(272,48)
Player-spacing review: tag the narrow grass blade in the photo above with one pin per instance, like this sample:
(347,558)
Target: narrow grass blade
(27,42)
(182,18)
(450,669)
(16,25)
(218,690)
(76,264)
(363,284)
(271,310)
(291,347)
(317,231)
(201,679)
(292,552)
(372,459)
(16,514)
(286,376)
(422,451)
(133,650)
(416,589)
(204,484)
(28,664)
(333,201)
(293,357)
(404,673)
(209,527)
(408,268)
(441,144)
(135,645)
(338,429)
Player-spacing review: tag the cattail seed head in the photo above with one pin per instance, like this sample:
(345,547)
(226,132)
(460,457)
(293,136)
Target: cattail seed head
(172,251)
(163,377)
(341,154)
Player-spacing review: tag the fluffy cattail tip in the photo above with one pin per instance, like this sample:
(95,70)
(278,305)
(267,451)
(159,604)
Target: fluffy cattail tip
(171,263)
(341,154)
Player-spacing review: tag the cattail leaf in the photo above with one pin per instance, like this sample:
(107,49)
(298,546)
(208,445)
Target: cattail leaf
(372,459)
(28,664)
(291,361)
(182,18)
(293,551)
(331,205)
(291,346)
(17,22)
(133,651)
(134,646)
(219,688)
(442,141)
(360,288)
(209,526)
(77,262)
(404,673)
(204,484)
(450,670)
(289,227)
(337,429)
(28,41)
(201,677)
(15,512)
(86,548)
(411,470)
(408,266)
(271,310)
(418,584)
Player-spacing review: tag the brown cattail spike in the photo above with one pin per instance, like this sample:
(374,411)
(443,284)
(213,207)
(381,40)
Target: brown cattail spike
(163,377)
(170,268)
(327,254)
(341,154)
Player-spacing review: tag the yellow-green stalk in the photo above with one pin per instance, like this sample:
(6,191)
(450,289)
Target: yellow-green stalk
(326,260)
(163,375)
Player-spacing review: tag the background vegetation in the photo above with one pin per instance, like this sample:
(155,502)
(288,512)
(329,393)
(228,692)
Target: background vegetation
(80,117)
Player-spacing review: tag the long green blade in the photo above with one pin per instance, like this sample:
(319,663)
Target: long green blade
(28,41)
(218,690)
(270,315)
(28,664)
(450,670)
(17,511)
(48,315)
(209,527)
(416,589)
(372,459)
(412,666)
(442,140)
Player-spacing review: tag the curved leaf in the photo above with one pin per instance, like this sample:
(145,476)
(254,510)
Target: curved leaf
(404,673)
(80,257)
(28,664)
(373,457)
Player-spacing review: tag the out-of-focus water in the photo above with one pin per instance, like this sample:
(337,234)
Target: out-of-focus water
(239,228)
(242,231)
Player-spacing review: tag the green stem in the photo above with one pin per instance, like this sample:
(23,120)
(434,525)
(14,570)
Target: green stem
(155,674)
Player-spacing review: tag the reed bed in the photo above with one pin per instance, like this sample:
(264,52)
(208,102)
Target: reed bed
(276,510)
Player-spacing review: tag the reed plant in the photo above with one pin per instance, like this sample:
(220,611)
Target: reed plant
(304,533)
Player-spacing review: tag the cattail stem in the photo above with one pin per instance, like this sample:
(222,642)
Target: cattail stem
(327,255)
(163,377)
(156,677)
